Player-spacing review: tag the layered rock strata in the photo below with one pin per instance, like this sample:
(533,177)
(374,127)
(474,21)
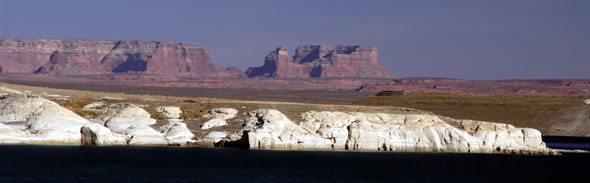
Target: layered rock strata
(77,57)
(322,61)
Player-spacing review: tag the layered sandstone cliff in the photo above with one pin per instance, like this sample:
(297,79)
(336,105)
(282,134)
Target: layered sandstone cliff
(75,57)
(90,57)
(322,61)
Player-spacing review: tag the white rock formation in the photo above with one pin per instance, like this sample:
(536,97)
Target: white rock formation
(587,101)
(215,122)
(94,134)
(170,112)
(7,91)
(144,135)
(214,136)
(95,106)
(134,122)
(13,135)
(34,120)
(268,128)
(27,119)
(120,117)
(218,117)
(221,113)
(45,120)
(177,133)
(271,129)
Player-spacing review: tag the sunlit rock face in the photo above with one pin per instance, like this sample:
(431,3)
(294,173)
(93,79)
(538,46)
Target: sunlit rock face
(217,117)
(322,61)
(76,57)
(270,129)
(27,119)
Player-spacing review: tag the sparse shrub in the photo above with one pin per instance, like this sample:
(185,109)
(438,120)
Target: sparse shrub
(203,110)
(77,105)
(158,116)
(186,113)
(189,101)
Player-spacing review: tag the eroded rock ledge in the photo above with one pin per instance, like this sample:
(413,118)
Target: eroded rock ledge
(28,119)
(270,129)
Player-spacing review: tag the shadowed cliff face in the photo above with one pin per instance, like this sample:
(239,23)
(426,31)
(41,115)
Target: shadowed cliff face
(321,61)
(74,57)
(278,64)
(58,65)
(134,63)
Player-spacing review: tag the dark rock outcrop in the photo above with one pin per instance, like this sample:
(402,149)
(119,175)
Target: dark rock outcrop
(72,57)
(322,61)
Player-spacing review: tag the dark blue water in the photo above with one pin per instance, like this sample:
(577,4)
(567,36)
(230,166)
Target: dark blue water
(567,142)
(25,163)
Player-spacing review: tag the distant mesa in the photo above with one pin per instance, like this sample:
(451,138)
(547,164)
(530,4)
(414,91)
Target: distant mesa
(321,61)
(78,57)
(96,57)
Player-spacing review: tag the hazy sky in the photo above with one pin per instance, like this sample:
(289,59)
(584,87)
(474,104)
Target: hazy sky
(493,39)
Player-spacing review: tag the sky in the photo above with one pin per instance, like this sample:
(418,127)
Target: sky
(468,39)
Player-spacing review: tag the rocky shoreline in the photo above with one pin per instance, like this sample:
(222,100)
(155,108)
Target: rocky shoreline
(29,119)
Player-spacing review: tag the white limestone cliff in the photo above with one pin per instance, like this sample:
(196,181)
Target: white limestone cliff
(270,129)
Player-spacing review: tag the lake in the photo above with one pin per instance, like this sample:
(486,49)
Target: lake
(34,163)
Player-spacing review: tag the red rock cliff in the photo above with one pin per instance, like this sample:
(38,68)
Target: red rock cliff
(323,62)
(74,57)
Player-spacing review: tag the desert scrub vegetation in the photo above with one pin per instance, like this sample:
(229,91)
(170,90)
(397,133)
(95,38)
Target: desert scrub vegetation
(157,115)
(204,108)
(188,113)
(76,105)
(189,101)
